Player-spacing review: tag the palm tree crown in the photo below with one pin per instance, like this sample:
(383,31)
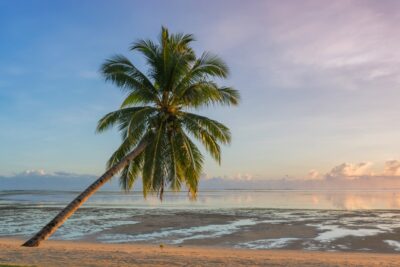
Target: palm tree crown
(156,112)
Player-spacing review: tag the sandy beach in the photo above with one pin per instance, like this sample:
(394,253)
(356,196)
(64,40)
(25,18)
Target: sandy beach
(64,253)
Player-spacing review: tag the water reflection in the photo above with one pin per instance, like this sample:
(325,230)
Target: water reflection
(278,199)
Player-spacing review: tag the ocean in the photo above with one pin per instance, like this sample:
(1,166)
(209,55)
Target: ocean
(254,219)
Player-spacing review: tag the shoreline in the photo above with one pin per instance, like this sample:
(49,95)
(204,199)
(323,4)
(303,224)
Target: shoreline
(77,253)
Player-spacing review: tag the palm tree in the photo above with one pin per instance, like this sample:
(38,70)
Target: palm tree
(155,123)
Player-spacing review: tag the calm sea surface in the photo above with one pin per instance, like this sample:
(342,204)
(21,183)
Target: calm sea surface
(263,199)
(308,220)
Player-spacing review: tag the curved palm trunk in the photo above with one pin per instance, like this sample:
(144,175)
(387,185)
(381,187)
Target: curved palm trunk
(53,225)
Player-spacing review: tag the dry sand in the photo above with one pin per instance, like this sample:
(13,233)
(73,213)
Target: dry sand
(63,253)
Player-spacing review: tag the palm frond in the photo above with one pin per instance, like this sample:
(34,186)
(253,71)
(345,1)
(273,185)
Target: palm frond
(215,128)
(155,109)
(152,157)
(120,71)
(118,116)
(190,161)
(205,137)
(205,93)
(130,173)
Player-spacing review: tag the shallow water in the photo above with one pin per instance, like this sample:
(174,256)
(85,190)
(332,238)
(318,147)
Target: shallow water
(308,220)
(273,199)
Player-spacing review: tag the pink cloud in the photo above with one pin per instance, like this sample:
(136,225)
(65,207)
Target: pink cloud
(335,45)
(350,170)
(392,168)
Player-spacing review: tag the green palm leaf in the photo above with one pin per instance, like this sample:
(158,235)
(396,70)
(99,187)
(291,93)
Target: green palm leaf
(156,107)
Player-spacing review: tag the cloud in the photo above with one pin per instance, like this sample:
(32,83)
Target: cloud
(392,168)
(342,176)
(350,171)
(363,169)
(314,174)
(339,45)
(39,172)
(41,180)
(243,176)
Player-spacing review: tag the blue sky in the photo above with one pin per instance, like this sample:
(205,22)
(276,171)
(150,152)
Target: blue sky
(320,82)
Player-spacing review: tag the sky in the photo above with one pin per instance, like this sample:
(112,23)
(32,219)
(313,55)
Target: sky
(319,80)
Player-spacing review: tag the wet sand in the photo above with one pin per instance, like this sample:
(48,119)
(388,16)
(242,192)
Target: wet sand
(67,253)
(290,230)
(310,230)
